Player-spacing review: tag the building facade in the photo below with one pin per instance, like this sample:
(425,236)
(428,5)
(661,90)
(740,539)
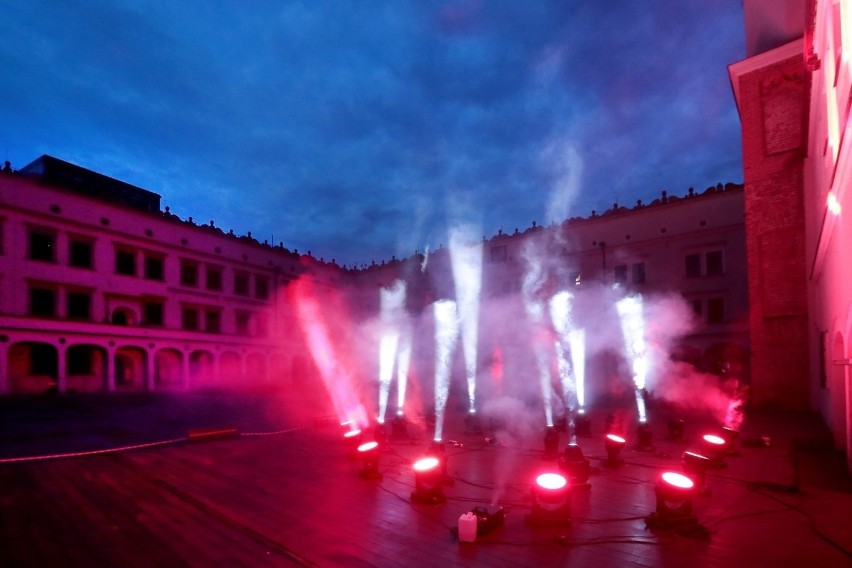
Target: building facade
(101,291)
(793,94)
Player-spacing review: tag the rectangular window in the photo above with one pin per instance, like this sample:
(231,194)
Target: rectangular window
(42,245)
(715,310)
(693,265)
(262,325)
(639,273)
(261,287)
(188,273)
(697,308)
(241,283)
(242,323)
(714,263)
(80,305)
(43,302)
(190,318)
(153,267)
(213,321)
(80,254)
(620,273)
(152,312)
(214,278)
(125,262)
(498,254)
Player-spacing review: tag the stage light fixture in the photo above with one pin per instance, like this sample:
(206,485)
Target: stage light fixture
(714,448)
(614,444)
(575,466)
(438,450)
(353,439)
(730,436)
(369,454)
(676,429)
(582,425)
(551,443)
(674,492)
(428,481)
(551,503)
(695,466)
(472,423)
(399,428)
(644,437)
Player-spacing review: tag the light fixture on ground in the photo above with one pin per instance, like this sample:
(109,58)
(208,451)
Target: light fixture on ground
(613,443)
(472,423)
(582,425)
(369,454)
(676,429)
(714,448)
(353,439)
(644,437)
(695,466)
(551,443)
(428,481)
(674,492)
(399,427)
(551,503)
(730,436)
(438,450)
(575,466)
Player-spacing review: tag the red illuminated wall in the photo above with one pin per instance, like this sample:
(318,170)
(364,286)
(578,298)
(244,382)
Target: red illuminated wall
(772,97)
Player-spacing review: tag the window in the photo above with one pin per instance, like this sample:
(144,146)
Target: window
(262,325)
(153,267)
(715,310)
(697,308)
(80,254)
(79,305)
(693,265)
(214,278)
(125,262)
(241,283)
(80,361)
(42,245)
(190,318)
(498,254)
(639,273)
(188,273)
(242,321)
(620,273)
(714,263)
(42,302)
(152,312)
(261,287)
(212,321)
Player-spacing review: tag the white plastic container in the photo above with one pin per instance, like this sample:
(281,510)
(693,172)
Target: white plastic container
(467,527)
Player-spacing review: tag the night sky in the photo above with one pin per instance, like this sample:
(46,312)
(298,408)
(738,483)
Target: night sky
(359,130)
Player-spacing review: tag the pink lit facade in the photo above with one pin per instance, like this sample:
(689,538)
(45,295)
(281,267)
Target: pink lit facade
(793,93)
(102,296)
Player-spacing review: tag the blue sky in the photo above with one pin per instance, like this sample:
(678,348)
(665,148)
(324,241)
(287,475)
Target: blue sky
(361,130)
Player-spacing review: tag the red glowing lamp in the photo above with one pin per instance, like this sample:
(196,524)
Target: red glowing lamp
(674,493)
(550,500)
(368,446)
(551,481)
(678,480)
(352,434)
(369,452)
(714,440)
(613,444)
(428,481)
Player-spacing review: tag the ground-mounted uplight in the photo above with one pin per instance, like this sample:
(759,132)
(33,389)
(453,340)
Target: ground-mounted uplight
(428,481)
(399,427)
(695,466)
(676,431)
(369,454)
(730,436)
(575,466)
(613,443)
(551,443)
(472,423)
(644,437)
(353,439)
(551,500)
(674,492)
(714,448)
(582,425)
